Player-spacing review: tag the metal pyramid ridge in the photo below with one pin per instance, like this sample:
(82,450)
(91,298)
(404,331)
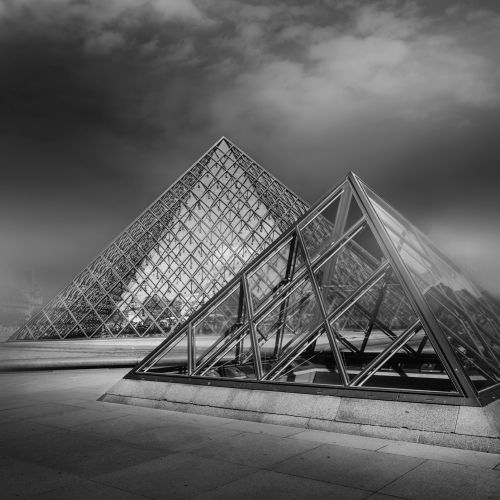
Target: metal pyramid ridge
(190,239)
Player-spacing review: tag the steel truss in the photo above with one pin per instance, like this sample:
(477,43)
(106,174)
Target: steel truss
(351,297)
(176,255)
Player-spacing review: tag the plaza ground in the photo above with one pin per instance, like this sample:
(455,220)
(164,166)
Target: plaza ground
(58,441)
(20,356)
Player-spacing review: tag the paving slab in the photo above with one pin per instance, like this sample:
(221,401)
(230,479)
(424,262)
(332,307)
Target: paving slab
(179,475)
(354,468)
(452,455)
(381,496)
(124,426)
(22,429)
(434,479)
(350,440)
(20,479)
(57,441)
(37,410)
(254,449)
(73,418)
(11,402)
(180,437)
(84,489)
(262,428)
(78,454)
(268,484)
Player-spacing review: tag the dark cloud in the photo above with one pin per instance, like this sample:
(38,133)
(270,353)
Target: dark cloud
(104,103)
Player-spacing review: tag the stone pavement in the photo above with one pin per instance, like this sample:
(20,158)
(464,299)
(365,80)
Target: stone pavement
(57,441)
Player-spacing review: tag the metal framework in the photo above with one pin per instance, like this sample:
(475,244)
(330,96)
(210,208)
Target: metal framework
(351,299)
(176,255)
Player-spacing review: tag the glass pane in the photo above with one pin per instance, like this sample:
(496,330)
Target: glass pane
(479,370)
(47,331)
(319,233)
(222,320)
(116,322)
(269,276)
(392,315)
(422,371)
(480,377)
(63,325)
(90,323)
(237,362)
(354,214)
(368,329)
(348,269)
(173,359)
(295,317)
(314,364)
(465,314)
(75,333)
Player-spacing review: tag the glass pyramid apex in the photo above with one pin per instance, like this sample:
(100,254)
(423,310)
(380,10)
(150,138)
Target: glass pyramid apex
(177,254)
(350,298)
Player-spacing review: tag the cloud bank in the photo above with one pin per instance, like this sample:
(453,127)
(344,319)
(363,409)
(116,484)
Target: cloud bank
(107,100)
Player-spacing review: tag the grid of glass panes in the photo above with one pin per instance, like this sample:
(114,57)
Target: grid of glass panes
(177,254)
(323,307)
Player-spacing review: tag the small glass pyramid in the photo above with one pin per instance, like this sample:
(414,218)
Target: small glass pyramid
(177,254)
(352,297)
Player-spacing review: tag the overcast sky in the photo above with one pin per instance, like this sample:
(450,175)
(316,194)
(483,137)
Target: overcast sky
(105,102)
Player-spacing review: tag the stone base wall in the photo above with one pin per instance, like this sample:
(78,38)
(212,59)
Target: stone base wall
(471,428)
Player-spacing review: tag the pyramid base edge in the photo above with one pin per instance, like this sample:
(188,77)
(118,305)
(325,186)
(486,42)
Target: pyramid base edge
(463,427)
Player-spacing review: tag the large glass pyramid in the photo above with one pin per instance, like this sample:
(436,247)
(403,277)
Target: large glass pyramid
(350,298)
(177,254)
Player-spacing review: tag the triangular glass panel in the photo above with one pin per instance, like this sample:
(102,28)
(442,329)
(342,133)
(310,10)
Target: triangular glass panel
(225,201)
(316,363)
(324,230)
(48,331)
(465,314)
(174,359)
(285,329)
(320,232)
(219,323)
(64,324)
(347,266)
(237,362)
(76,333)
(481,376)
(391,314)
(415,366)
(274,272)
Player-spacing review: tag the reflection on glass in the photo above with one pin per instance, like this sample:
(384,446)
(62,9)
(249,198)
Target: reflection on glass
(237,362)
(173,360)
(220,322)
(295,316)
(348,268)
(466,316)
(411,371)
(269,276)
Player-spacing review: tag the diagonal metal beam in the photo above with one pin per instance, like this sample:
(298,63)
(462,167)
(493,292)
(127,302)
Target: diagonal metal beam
(344,306)
(329,331)
(386,354)
(432,328)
